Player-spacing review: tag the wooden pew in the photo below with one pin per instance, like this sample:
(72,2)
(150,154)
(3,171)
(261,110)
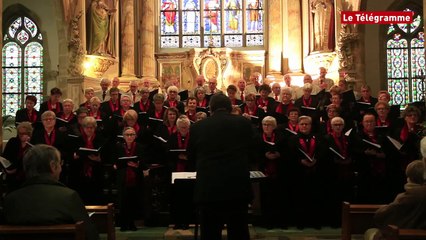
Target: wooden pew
(357,218)
(103,218)
(51,232)
(392,232)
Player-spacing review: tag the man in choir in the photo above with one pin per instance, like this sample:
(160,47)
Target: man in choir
(221,154)
(213,86)
(366,102)
(322,82)
(29,113)
(296,92)
(143,106)
(191,109)
(54,103)
(308,79)
(103,94)
(172,101)
(276,92)
(88,94)
(256,80)
(200,81)
(50,202)
(242,91)
(343,85)
(133,91)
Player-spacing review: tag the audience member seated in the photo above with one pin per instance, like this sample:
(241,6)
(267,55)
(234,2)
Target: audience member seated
(103,94)
(408,210)
(50,202)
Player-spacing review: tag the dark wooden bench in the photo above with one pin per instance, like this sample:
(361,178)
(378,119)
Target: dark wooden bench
(103,218)
(51,232)
(392,232)
(357,218)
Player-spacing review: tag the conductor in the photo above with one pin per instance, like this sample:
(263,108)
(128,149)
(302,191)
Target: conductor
(220,146)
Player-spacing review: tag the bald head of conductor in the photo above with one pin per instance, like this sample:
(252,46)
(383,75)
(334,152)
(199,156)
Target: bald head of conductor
(42,161)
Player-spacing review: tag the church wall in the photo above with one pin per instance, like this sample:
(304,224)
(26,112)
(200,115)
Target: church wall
(44,10)
(373,42)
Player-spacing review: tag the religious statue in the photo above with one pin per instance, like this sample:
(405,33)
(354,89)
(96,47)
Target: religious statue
(323,25)
(254,15)
(233,5)
(101,29)
(169,12)
(212,16)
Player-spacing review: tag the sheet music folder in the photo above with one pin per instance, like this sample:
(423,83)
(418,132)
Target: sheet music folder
(193,175)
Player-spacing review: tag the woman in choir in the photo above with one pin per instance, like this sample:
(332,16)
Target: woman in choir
(382,109)
(325,125)
(283,108)
(156,114)
(131,170)
(191,109)
(88,94)
(292,127)
(143,107)
(200,116)
(307,154)
(272,164)
(200,95)
(407,133)
(178,162)
(86,169)
(264,101)
(172,101)
(54,103)
(251,110)
(169,123)
(339,171)
(76,128)
(66,118)
(95,112)
(308,104)
(231,90)
(130,119)
(29,113)
(125,105)
(14,152)
(373,167)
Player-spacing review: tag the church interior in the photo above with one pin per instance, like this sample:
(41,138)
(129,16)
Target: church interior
(74,45)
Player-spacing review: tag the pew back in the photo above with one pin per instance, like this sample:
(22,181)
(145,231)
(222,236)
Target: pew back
(357,218)
(51,232)
(103,218)
(392,232)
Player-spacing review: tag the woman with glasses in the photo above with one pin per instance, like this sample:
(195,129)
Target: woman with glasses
(131,169)
(66,118)
(86,168)
(14,151)
(286,104)
(172,101)
(339,172)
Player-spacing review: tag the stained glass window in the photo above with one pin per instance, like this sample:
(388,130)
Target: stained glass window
(405,57)
(211,23)
(22,59)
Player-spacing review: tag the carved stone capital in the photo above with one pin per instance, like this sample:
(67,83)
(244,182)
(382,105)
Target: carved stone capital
(96,66)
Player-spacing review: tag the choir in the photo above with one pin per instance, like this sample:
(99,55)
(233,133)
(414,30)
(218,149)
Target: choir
(317,145)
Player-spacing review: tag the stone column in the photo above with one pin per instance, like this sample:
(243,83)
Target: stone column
(292,36)
(275,37)
(148,38)
(128,39)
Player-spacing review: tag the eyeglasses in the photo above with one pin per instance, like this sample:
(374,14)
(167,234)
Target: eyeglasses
(130,134)
(48,119)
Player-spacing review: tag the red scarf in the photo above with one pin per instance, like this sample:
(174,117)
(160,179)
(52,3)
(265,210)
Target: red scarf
(279,108)
(250,112)
(50,140)
(242,96)
(404,133)
(372,137)
(144,107)
(307,102)
(98,114)
(272,138)
(328,127)
(88,166)
(57,108)
(173,103)
(202,103)
(191,115)
(181,164)
(130,172)
(386,123)
(32,116)
(159,115)
(262,103)
(171,130)
(113,106)
(295,128)
(270,165)
(341,144)
(310,150)
(69,118)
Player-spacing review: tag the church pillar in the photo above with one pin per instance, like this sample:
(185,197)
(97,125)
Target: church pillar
(292,36)
(128,39)
(147,25)
(274,36)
